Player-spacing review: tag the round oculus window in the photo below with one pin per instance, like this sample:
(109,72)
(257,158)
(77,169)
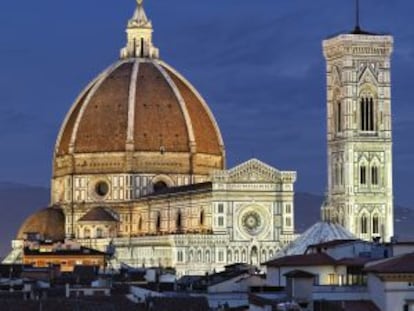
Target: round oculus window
(252,222)
(102,188)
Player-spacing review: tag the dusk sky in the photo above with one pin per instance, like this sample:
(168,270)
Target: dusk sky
(259,65)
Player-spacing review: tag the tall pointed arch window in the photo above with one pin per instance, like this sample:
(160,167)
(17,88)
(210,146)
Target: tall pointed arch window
(158,222)
(374,175)
(364,224)
(179,220)
(367,114)
(363,175)
(338,117)
(140,224)
(375,224)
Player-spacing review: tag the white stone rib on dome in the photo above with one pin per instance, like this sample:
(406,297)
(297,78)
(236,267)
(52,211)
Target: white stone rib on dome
(319,233)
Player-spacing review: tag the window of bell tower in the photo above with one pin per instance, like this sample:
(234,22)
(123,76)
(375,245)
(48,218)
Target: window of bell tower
(367,114)
(338,117)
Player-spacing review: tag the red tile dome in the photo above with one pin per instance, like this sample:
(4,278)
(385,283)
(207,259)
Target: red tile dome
(140,106)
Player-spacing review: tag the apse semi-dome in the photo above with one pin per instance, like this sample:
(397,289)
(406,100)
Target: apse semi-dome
(139,115)
(48,222)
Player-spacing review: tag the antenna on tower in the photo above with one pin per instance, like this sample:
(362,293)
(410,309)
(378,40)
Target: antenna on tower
(357,18)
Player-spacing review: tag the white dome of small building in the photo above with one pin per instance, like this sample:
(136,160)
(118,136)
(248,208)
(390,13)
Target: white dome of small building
(319,233)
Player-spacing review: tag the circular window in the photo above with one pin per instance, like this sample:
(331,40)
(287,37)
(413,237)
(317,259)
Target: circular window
(102,188)
(252,222)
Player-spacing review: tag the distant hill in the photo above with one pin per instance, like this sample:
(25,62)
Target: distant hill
(18,201)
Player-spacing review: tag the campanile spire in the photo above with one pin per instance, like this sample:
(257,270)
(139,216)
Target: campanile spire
(139,36)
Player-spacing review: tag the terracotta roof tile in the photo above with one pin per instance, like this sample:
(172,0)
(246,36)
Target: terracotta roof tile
(319,259)
(103,125)
(399,264)
(49,222)
(159,120)
(98,214)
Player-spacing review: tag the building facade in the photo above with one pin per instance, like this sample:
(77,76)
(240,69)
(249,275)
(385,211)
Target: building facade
(139,169)
(359,133)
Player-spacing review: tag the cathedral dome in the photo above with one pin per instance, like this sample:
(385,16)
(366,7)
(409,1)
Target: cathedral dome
(140,116)
(48,222)
(141,106)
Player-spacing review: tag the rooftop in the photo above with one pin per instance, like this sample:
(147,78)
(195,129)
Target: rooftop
(319,259)
(398,264)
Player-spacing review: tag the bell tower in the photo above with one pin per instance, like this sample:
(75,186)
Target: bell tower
(359,133)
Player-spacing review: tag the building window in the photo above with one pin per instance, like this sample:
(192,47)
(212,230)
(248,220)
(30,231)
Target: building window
(367,114)
(236,256)
(140,223)
(191,256)
(288,208)
(332,279)
(338,117)
(158,223)
(180,257)
(160,186)
(220,208)
(288,222)
(375,225)
(364,224)
(207,256)
(99,233)
(87,233)
(363,175)
(202,218)
(229,257)
(179,221)
(221,221)
(263,259)
(374,175)
(221,256)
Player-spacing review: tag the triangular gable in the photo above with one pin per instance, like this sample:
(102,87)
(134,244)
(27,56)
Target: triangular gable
(368,76)
(254,171)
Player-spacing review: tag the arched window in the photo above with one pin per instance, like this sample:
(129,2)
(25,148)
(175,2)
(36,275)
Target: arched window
(374,175)
(179,221)
(229,256)
(244,257)
(87,233)
(159,186)
(363,175)
(199,258)
(99,233)
(375,224)
(236,256)
(271,254)
(202,218)
(207,256)
(338,117)
(158,223)
(367,114)
(191,256)
(180,257)
(140,224)
(263,259)
(364,224)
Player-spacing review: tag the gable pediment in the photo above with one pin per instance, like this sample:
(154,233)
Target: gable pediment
(254,171)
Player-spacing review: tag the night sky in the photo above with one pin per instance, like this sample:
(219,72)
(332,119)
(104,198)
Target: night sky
(258,64)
